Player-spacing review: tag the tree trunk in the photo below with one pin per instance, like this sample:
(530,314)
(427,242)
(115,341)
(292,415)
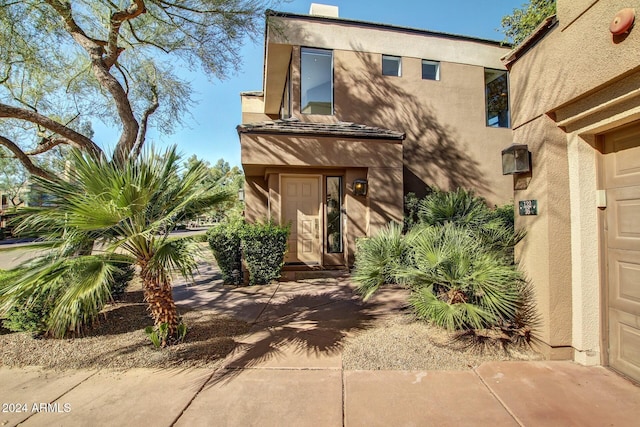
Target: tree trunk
(158,295)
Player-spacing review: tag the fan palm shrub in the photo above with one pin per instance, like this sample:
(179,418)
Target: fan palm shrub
(108,216)
(457,260)
(456,282)
(495,227)
(378,259)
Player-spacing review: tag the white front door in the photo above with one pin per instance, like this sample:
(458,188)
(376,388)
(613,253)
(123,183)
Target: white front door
(301,208)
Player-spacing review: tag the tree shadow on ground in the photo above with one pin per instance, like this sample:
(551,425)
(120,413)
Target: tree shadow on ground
(298,326)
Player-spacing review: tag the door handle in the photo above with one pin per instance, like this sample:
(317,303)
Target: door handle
(317,226)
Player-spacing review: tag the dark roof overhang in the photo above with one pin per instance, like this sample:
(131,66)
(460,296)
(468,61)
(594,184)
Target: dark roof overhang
(340,129)
(538,34)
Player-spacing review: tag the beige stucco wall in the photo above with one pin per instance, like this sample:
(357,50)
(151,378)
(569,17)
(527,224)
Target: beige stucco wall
(576,83)
(265,157)
(253,108)
(448,143)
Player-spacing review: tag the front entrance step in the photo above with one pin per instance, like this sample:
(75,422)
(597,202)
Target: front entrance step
(294,275)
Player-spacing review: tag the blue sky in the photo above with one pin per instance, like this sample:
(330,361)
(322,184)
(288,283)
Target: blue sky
(210,131)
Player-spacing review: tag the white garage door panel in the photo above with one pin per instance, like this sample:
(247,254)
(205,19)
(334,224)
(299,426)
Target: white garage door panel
(622,182)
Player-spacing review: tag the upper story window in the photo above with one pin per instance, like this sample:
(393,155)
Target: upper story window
(391,66)
(316,81)
(430,70)
(285,105)
(496,88)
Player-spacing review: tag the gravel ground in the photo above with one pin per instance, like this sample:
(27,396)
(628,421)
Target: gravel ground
(399,342)
(118,341)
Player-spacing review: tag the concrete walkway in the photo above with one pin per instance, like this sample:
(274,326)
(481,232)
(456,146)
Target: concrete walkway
(287,371)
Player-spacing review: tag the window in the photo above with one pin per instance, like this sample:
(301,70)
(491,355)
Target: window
(285,106)
(430,70)
(334,214)
(496,87)
(316,85)
(391,66)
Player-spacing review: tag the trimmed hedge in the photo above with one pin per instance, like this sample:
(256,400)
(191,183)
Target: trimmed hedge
(224,241)
(264,246)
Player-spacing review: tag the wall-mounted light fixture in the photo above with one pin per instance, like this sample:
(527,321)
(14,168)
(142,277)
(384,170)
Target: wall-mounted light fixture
(515,159)
(241,194)
(360,187)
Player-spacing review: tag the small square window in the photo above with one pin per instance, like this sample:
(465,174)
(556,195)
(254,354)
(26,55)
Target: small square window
(430,70)
(391,66)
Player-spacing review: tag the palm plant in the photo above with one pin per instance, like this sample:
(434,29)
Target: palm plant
(495,227)
(106,216)
(378,259)
(456,282)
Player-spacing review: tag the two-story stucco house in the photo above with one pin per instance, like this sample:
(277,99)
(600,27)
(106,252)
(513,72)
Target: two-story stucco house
(353,115)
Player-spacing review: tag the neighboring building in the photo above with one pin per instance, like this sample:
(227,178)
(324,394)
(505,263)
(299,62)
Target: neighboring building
(576,98)
(349,106)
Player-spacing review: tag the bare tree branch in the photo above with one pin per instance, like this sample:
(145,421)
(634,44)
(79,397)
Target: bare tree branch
(68,135)
(135,9)
(24,159)
(142,134)
(100,69)
(45,145)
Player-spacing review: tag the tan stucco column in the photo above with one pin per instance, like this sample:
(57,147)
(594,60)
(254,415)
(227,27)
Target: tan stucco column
(585,260)
(545,252)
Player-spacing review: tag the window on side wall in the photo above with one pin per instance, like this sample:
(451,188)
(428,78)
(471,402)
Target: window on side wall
(316,81)
(391,66)
(285,105)
(430,70)
(496,88)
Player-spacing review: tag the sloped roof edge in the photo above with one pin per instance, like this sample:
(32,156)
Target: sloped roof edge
(344,129)
(270,12)
(538,34)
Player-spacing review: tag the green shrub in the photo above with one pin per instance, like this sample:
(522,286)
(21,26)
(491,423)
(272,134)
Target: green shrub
(264,246)
(378,259)
(457,260)
(120,281)
(456,282)
(224,241)
(460,207)
(495,227)
(31,314)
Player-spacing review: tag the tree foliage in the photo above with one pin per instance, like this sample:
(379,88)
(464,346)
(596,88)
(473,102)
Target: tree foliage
(64,63)
(230,178)
(522,22)
(106,217)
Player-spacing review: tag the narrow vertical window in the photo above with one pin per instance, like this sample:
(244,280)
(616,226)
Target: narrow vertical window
(285,107)
(497,98)
(316,85)
(391,65)
(334,214)
(430,70)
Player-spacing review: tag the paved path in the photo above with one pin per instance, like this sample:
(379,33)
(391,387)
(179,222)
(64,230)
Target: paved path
(288,372)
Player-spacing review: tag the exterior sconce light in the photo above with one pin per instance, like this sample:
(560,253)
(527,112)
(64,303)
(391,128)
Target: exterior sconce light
(360,187)
(515,159)
(241,194)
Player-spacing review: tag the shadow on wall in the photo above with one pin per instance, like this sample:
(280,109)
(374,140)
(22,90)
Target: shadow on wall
(432,153)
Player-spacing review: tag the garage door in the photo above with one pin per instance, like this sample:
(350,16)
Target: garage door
(622,183)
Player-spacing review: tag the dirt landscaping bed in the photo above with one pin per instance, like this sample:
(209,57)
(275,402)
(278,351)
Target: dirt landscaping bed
(396,342)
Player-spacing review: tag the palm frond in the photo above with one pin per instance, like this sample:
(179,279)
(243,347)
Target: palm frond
(379,257)
(176,255)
